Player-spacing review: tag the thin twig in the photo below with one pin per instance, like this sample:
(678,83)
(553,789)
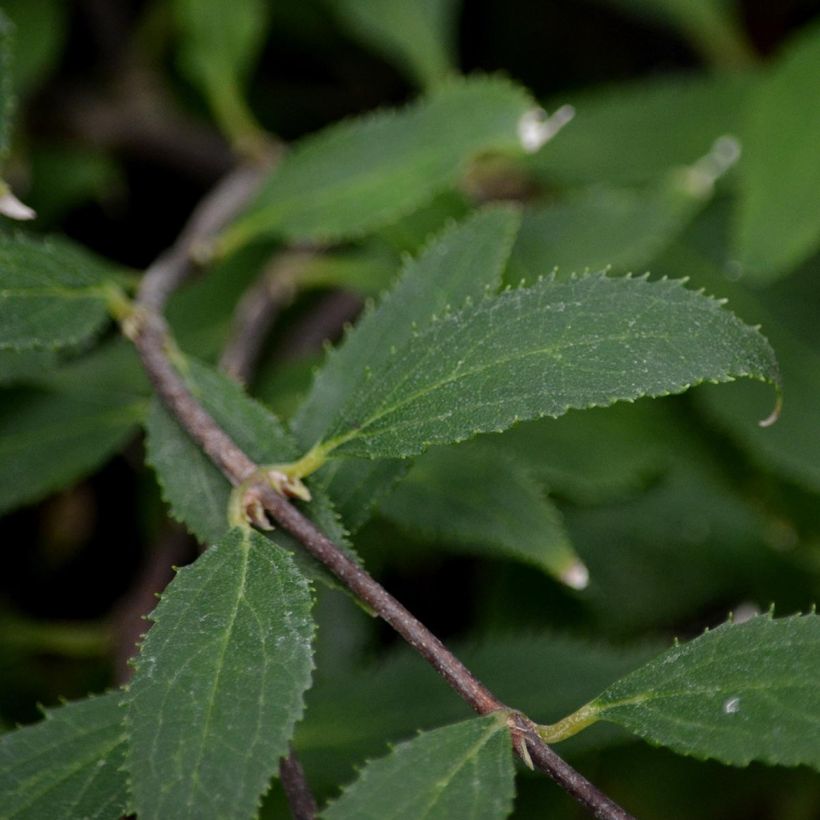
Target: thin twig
(257,309)
(300,799)
(153,341)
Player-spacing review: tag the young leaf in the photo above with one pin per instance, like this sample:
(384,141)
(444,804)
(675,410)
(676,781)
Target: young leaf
(220,682)
(632,133)
(359,175)
(540,351)
(55,432)
(482,498)
(70,764)
(220,43)
(50,296)
(415,34)
(465,770)
(778,220)
(739,693)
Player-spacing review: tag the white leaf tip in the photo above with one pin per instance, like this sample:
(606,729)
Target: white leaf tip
(576,575)
(12,208)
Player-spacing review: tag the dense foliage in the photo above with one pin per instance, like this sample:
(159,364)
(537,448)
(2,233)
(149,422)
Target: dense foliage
(549,373)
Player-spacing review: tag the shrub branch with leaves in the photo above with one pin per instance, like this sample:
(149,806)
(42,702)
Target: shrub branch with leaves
(403,417)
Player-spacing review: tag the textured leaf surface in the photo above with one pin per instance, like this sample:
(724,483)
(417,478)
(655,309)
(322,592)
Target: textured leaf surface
(220,681)
(49,296)
(463,262)
(415,34)
(778,218)
(634,132)
(54,433)
(364,173)
(483,499)
(738,693)
(67,765)
(540,351)
(464,770)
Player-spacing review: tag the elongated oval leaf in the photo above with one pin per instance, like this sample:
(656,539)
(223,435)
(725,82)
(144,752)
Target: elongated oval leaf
(220,681)
(463,771)
(778,218)
(415,34)
(739,693)
(49,296)
(68,765)
(540,351)
(447,497)
(365,173)
(6,85)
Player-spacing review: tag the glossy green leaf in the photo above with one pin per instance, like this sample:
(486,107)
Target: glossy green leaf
(417,35)
(465,770)
(479,498)
(219,46)
(219,682)
(739,693)
(59,430)
(541,351)
(621,228)
(50,295)
(634,132)
(67,765)
(365,173)
(778,218)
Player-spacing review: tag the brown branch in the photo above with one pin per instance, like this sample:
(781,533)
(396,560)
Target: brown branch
(300,799)
(153,342)
(257,309)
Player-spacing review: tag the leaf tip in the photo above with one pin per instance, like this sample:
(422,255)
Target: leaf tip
(576,575)
(775,414)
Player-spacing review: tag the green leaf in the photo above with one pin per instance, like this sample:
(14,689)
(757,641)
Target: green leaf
(68,765)
(739,693)
(40,33)
(6,85)
(460,263)
(465,770)
(195,489)
(417,35)
(220,681)
(634,132)
(57,431)
(540,351)
(359,175)
(621,228)
(25,365)
(219,46)
(778,221)
(51,294)
(447,498)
